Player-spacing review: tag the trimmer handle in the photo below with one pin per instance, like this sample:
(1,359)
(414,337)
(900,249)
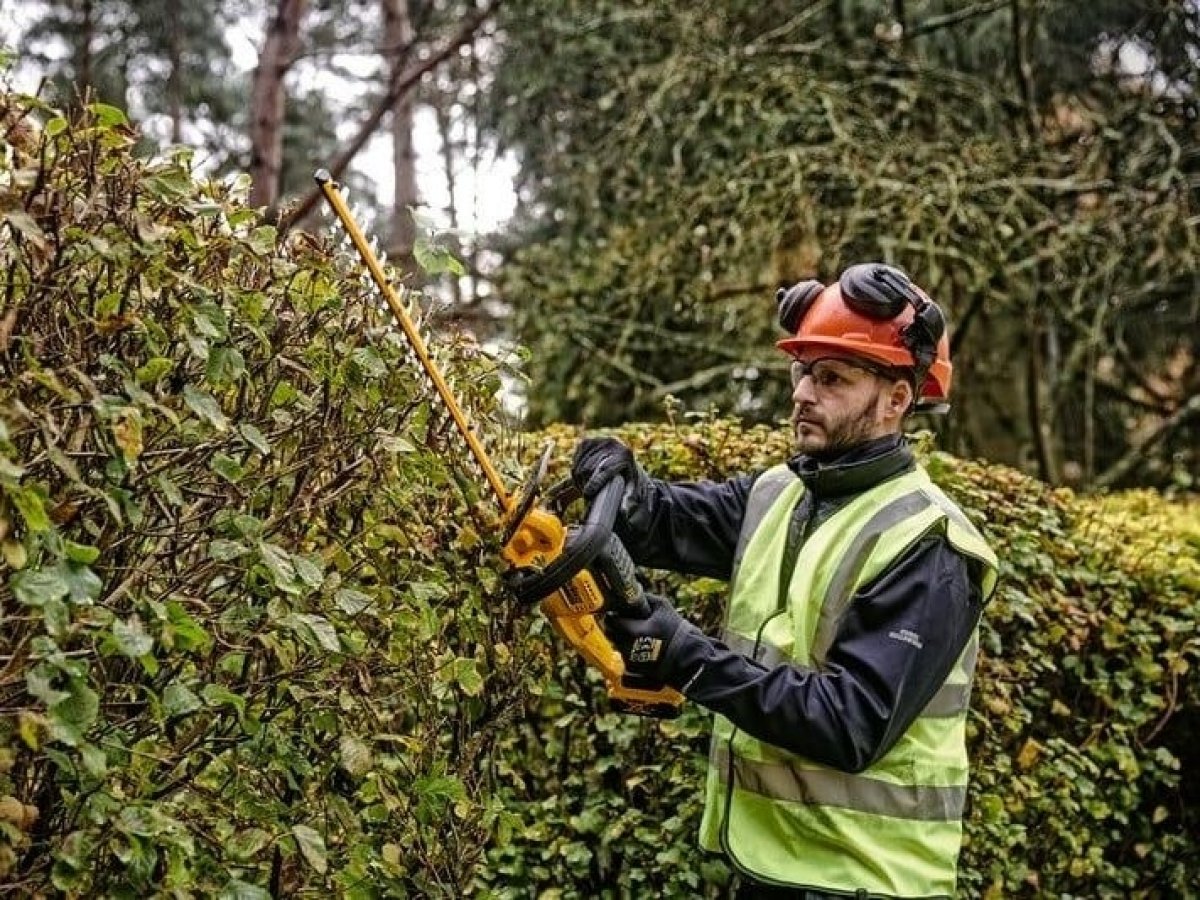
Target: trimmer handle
(582,547)
(614,568)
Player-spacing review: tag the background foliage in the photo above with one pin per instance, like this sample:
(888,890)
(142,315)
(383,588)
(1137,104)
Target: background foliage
(1033,164)
(253,642)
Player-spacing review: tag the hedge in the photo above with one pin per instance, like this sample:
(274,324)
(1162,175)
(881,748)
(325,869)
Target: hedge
(255,643)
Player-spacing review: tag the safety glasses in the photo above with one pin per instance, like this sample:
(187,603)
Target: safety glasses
(830,373)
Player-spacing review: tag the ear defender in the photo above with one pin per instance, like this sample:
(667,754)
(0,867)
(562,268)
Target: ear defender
(882,292)
(794,302)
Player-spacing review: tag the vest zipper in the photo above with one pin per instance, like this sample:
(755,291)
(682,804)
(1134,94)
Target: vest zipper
(799,529)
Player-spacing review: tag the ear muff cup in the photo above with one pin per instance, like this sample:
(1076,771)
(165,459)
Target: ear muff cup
(794,302)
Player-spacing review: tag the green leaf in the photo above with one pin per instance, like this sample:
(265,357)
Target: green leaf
(30,503)
(352,602)
(355,755)
(223,550)
(57,617)
(216,695)
(179,700)
(435,259)
(237,889)
(206,407)
(246,843)
(310,571)
(279,563)
(170,490)
(34,587)
(131,637)
(83,585)
(76,712)
(108,115)
(153,370)
(314,630)
(225,365)
(227,467)
(255,438)
(81,553)
(181,630)
(369,362)
(465,672)
(312,847)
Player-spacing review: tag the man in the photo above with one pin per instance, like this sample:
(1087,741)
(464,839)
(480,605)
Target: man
(841,678)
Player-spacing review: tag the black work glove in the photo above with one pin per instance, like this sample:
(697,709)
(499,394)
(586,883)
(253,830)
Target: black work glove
(661,648)
(598,460)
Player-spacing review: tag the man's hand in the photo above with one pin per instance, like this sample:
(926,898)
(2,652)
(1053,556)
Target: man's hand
(654,648)
(598,460)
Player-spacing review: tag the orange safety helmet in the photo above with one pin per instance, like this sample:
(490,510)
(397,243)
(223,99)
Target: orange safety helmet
(873,311)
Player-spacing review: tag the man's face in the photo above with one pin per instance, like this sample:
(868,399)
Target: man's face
(837,403)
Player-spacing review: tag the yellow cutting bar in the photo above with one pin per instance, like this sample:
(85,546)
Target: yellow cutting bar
(330,189)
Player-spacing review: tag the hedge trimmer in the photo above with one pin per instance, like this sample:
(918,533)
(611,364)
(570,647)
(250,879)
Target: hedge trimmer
(555,566)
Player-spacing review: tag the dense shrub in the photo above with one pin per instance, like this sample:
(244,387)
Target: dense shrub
(1084,728)
(246,615)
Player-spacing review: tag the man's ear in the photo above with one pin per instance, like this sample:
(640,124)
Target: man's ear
(900,398)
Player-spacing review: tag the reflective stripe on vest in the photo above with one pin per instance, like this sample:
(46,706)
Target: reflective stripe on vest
(894,830)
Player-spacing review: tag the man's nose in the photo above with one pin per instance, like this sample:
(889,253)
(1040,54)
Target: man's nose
(802,390)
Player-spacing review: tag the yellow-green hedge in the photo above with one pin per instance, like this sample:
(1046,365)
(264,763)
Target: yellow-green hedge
(1084,724)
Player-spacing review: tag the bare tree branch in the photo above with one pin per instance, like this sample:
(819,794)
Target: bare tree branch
(1137,454)
(936,23)
(399,85)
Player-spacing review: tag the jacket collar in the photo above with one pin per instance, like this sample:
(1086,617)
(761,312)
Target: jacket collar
(855,470)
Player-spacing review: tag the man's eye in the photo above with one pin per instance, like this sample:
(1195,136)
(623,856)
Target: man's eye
(827,377)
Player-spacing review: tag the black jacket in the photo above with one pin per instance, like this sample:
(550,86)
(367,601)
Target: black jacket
(848,713)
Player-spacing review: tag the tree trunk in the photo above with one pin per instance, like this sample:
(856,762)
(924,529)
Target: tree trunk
(398,38)
(83,49)
(175,78)
(446,133)
(267,100)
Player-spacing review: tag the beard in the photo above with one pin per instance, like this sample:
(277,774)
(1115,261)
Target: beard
(828,435)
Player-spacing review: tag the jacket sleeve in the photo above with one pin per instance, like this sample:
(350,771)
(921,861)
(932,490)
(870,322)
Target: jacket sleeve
(893,650)
(690,527)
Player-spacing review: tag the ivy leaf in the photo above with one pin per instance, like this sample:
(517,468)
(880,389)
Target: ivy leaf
(465,673)
(71,716)
(312,847)
(131,637)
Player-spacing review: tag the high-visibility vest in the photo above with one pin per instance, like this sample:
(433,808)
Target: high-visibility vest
(895,829)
